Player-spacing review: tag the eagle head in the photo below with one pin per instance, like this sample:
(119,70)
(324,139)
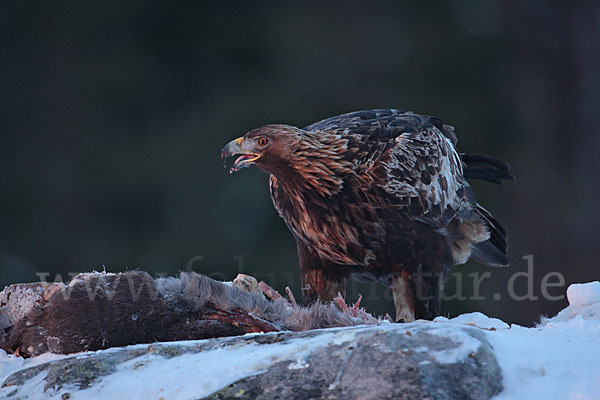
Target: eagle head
(300,160)
(270,148)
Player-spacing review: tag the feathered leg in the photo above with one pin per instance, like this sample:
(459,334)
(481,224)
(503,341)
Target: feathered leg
(318,286)
(403,298)
(320,280)
(427,290)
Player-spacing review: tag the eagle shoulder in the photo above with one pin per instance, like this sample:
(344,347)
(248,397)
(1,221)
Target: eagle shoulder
(410,157)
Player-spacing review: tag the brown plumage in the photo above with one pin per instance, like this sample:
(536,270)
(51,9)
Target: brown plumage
(379,194)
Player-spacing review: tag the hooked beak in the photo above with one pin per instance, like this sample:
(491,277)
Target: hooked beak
(236,147)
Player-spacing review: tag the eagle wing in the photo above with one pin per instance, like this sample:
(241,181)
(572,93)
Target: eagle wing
(409,159)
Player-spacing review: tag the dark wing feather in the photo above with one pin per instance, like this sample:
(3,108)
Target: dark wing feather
(410,157)
(387,117)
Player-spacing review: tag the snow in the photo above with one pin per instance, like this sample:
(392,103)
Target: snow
(10,363)
(152,376)
(583,294)
(468,345)
(558,359)
(476,319)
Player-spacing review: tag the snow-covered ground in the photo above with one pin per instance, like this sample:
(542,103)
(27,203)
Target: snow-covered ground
(558,359)
(155,377)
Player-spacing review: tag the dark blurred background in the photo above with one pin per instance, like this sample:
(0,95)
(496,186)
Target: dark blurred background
(113,114)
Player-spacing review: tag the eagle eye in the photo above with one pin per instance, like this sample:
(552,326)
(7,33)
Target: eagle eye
(262,141)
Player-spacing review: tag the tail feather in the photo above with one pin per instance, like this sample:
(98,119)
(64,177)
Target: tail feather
(486,168)
(492,251)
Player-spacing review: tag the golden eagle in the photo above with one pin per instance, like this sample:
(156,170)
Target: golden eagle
(379,194)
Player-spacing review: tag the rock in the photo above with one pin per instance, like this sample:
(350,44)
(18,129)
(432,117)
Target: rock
(422,360)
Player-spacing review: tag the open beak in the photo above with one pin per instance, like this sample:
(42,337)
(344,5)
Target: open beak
(236,147)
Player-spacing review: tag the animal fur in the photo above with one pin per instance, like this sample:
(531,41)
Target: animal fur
(97,311)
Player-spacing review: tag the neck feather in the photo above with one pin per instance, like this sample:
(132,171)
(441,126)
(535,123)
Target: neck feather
(318,165)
